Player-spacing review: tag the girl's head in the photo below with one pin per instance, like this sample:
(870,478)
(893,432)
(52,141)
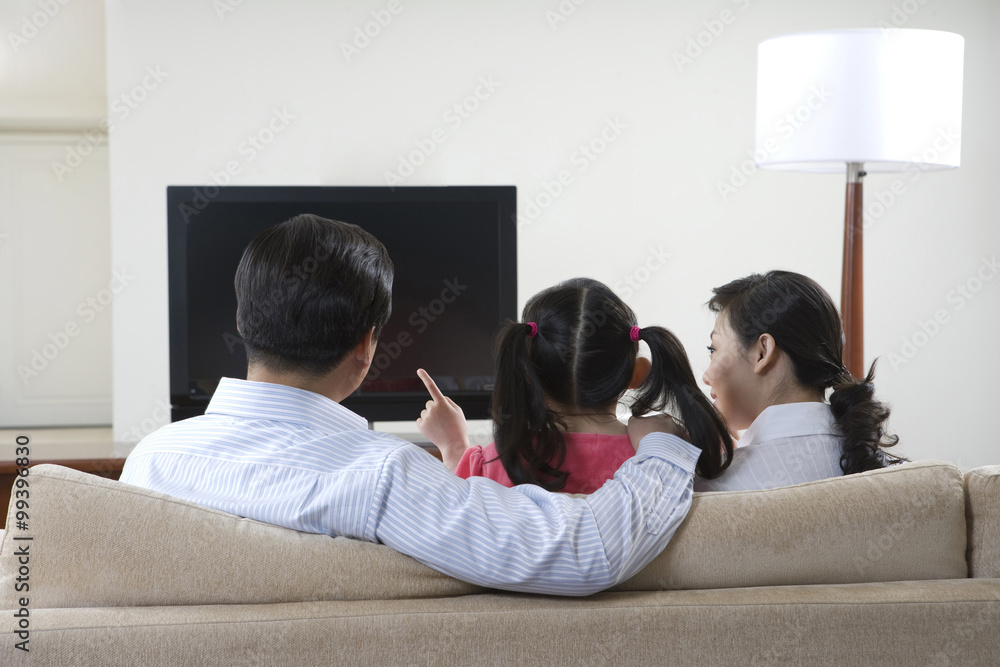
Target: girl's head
(579,353)
(777,335)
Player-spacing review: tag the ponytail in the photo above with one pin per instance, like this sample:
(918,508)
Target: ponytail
(529,443)
(671,380)
(861,420)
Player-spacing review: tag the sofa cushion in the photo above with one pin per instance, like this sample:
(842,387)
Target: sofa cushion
(906,522)
(98,542)
(101,543)
(906,623)
(982,513)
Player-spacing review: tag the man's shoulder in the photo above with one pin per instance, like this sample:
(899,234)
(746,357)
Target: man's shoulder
(226,438)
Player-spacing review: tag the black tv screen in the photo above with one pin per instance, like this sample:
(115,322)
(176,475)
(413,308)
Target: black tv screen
(454,251)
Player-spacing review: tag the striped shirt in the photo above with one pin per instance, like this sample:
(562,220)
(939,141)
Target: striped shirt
(297,459)
(787,444)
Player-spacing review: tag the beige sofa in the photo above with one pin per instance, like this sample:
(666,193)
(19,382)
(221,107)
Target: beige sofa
(899,566)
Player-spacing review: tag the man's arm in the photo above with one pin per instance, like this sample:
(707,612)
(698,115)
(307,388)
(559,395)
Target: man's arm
(527,539)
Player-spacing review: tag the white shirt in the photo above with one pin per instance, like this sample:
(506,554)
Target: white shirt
(787,444)
(294,458)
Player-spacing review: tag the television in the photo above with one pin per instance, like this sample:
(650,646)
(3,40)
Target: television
(455,255)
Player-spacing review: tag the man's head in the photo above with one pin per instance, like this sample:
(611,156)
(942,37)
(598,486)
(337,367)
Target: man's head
(307,293)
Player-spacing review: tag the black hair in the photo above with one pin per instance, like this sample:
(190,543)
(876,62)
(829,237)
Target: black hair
(805,325)
(307,292)
(582,355)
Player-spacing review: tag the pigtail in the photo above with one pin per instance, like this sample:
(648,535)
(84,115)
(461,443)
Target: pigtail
(861,420)
(529,442)
(671,380)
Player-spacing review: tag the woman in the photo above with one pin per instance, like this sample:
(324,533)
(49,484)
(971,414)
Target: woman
(776,349)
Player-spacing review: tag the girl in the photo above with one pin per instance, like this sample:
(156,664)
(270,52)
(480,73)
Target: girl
(775,350)
(560,375)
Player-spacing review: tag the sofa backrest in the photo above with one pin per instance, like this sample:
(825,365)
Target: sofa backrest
(905,522)
(102,543)
(97,542)
(982,514)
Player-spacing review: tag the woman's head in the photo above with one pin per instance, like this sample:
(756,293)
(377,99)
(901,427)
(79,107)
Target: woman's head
(776,333)
(779,334)
(579,353)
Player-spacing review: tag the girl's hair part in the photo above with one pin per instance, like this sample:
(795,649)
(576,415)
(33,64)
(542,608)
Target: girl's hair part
(582,356)
(803,320)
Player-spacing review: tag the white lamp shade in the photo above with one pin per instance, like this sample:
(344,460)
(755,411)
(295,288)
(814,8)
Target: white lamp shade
(888,99)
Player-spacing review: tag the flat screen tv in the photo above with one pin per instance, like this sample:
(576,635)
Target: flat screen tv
(455,256)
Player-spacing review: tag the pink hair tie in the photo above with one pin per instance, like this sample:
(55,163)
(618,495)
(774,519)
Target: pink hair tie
(532,329)
(634,334)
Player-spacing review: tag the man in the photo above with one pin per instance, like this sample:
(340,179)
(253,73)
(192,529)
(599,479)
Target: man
(312,297)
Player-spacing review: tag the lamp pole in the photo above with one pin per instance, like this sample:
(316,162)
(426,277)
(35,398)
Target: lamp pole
(852,301)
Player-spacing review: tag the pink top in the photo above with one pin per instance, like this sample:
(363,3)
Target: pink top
(591,460)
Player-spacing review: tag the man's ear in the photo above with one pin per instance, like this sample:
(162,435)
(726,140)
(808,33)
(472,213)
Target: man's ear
(641,371)
(764,354)
(365,350)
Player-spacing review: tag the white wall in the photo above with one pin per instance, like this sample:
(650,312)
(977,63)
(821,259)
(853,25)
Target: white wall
(52,64)
(55,238)
(682,131)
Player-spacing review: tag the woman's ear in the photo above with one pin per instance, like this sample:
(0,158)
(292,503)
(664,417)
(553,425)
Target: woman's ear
(764,354)
(641,371)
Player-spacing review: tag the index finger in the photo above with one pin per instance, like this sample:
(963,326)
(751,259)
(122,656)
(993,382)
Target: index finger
(432,388)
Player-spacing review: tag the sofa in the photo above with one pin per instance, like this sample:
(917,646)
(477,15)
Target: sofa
(897,566)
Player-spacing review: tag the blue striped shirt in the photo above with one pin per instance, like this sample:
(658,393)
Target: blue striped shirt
(297,459)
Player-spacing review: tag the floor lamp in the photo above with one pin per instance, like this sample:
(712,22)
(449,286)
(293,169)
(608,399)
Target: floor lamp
(872,100)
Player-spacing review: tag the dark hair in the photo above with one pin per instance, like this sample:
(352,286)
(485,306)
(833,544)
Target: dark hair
(582,355)
(805,324)
(308,290)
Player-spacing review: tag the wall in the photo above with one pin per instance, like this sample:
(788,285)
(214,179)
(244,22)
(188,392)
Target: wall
(646,215)
(55,238)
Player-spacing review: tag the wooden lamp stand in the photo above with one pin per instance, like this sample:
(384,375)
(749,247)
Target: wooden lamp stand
(852,300)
